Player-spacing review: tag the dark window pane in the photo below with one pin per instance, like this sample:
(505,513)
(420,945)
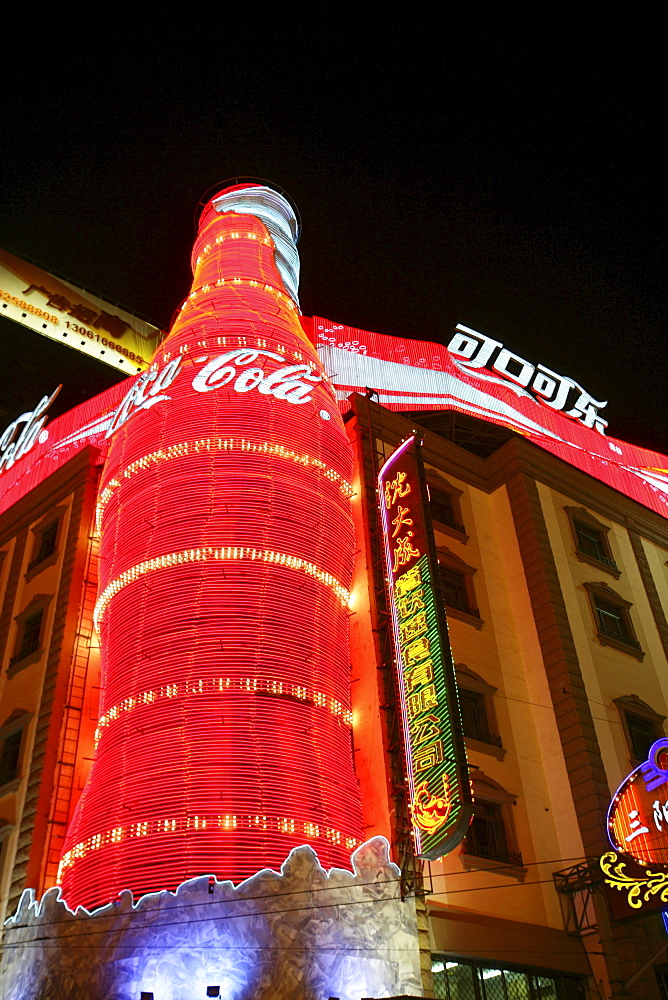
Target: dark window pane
(474,714)
(642,733)
(486,837)
(590,541)
(32,632)
(47,545)
(454,589)
(442,509)
(593,543)
(9,757)
(611,620)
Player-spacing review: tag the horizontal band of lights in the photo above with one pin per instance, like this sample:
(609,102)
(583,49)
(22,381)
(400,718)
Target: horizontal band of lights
(440,791)
(267,240)
(209,554)
(221,685)
(184,448)
(228,823)
(284,299)
(226,670)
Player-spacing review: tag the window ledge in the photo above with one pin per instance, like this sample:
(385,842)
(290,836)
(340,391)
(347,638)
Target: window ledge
(34,570)
(613,570)
(9,787)
(623,647)
(449,529)
(25,661)
(464,616)
(481,747)
(472,861)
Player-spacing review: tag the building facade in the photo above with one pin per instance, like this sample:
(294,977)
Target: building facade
(554,587)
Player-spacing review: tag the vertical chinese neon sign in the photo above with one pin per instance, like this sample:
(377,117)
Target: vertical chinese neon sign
(440,791)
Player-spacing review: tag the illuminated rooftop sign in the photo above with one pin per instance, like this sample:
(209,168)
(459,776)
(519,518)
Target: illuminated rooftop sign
(19,437)
(473,352)
(478,376)
(440,792)
(59,310)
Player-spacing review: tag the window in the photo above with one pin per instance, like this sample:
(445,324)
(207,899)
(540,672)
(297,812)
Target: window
(45,542)
(474,715)
(456,579)
(591,540)
(466,979)
(454,588)
(30,630)
(642,734)
(642,726)
(477,710)
(487,834)
(6,830)
(612,619)
(491,834)
(11,744)
(31,633)
(444,507)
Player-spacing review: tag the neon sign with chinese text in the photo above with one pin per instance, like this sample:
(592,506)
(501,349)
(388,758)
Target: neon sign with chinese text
(440,790)
(638,814)
(638,831)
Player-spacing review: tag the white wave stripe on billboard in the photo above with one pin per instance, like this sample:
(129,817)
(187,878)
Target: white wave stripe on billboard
(400,386)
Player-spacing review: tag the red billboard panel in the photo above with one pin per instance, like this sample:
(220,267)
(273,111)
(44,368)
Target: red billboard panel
(478,376)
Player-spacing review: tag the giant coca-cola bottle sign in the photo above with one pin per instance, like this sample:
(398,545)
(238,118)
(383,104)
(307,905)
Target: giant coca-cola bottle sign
(226,558)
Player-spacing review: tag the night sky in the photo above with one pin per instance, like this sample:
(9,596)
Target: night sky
(504,171)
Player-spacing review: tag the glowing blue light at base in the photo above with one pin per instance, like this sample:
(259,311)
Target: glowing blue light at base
(276,935)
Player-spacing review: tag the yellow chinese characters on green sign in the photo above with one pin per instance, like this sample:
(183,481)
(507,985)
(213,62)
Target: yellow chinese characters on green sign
(434,746)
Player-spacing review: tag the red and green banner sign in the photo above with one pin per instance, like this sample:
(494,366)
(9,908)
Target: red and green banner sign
(440,790)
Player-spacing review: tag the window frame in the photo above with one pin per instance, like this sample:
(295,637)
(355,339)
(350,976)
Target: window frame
(20,659)
(631,705)
(468,680)
(564,985)
(456,527)
(448,561)
(17,722)
(487,792)
(603,594)
(580,515)
(39,530)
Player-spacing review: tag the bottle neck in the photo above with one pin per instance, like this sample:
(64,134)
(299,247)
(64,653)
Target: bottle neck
(236,281)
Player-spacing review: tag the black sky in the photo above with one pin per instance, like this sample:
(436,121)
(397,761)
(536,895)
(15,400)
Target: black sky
(500,170)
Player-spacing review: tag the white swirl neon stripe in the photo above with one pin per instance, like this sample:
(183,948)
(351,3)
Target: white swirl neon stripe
(219,685)
(224,823)
(208,554)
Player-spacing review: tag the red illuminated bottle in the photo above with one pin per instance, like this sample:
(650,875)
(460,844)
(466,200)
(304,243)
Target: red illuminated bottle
(226,556)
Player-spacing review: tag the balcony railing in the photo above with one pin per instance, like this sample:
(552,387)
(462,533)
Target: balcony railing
(612,633)
(493,853)
(450,523)
(595,553)
(461,606)
(482,736)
